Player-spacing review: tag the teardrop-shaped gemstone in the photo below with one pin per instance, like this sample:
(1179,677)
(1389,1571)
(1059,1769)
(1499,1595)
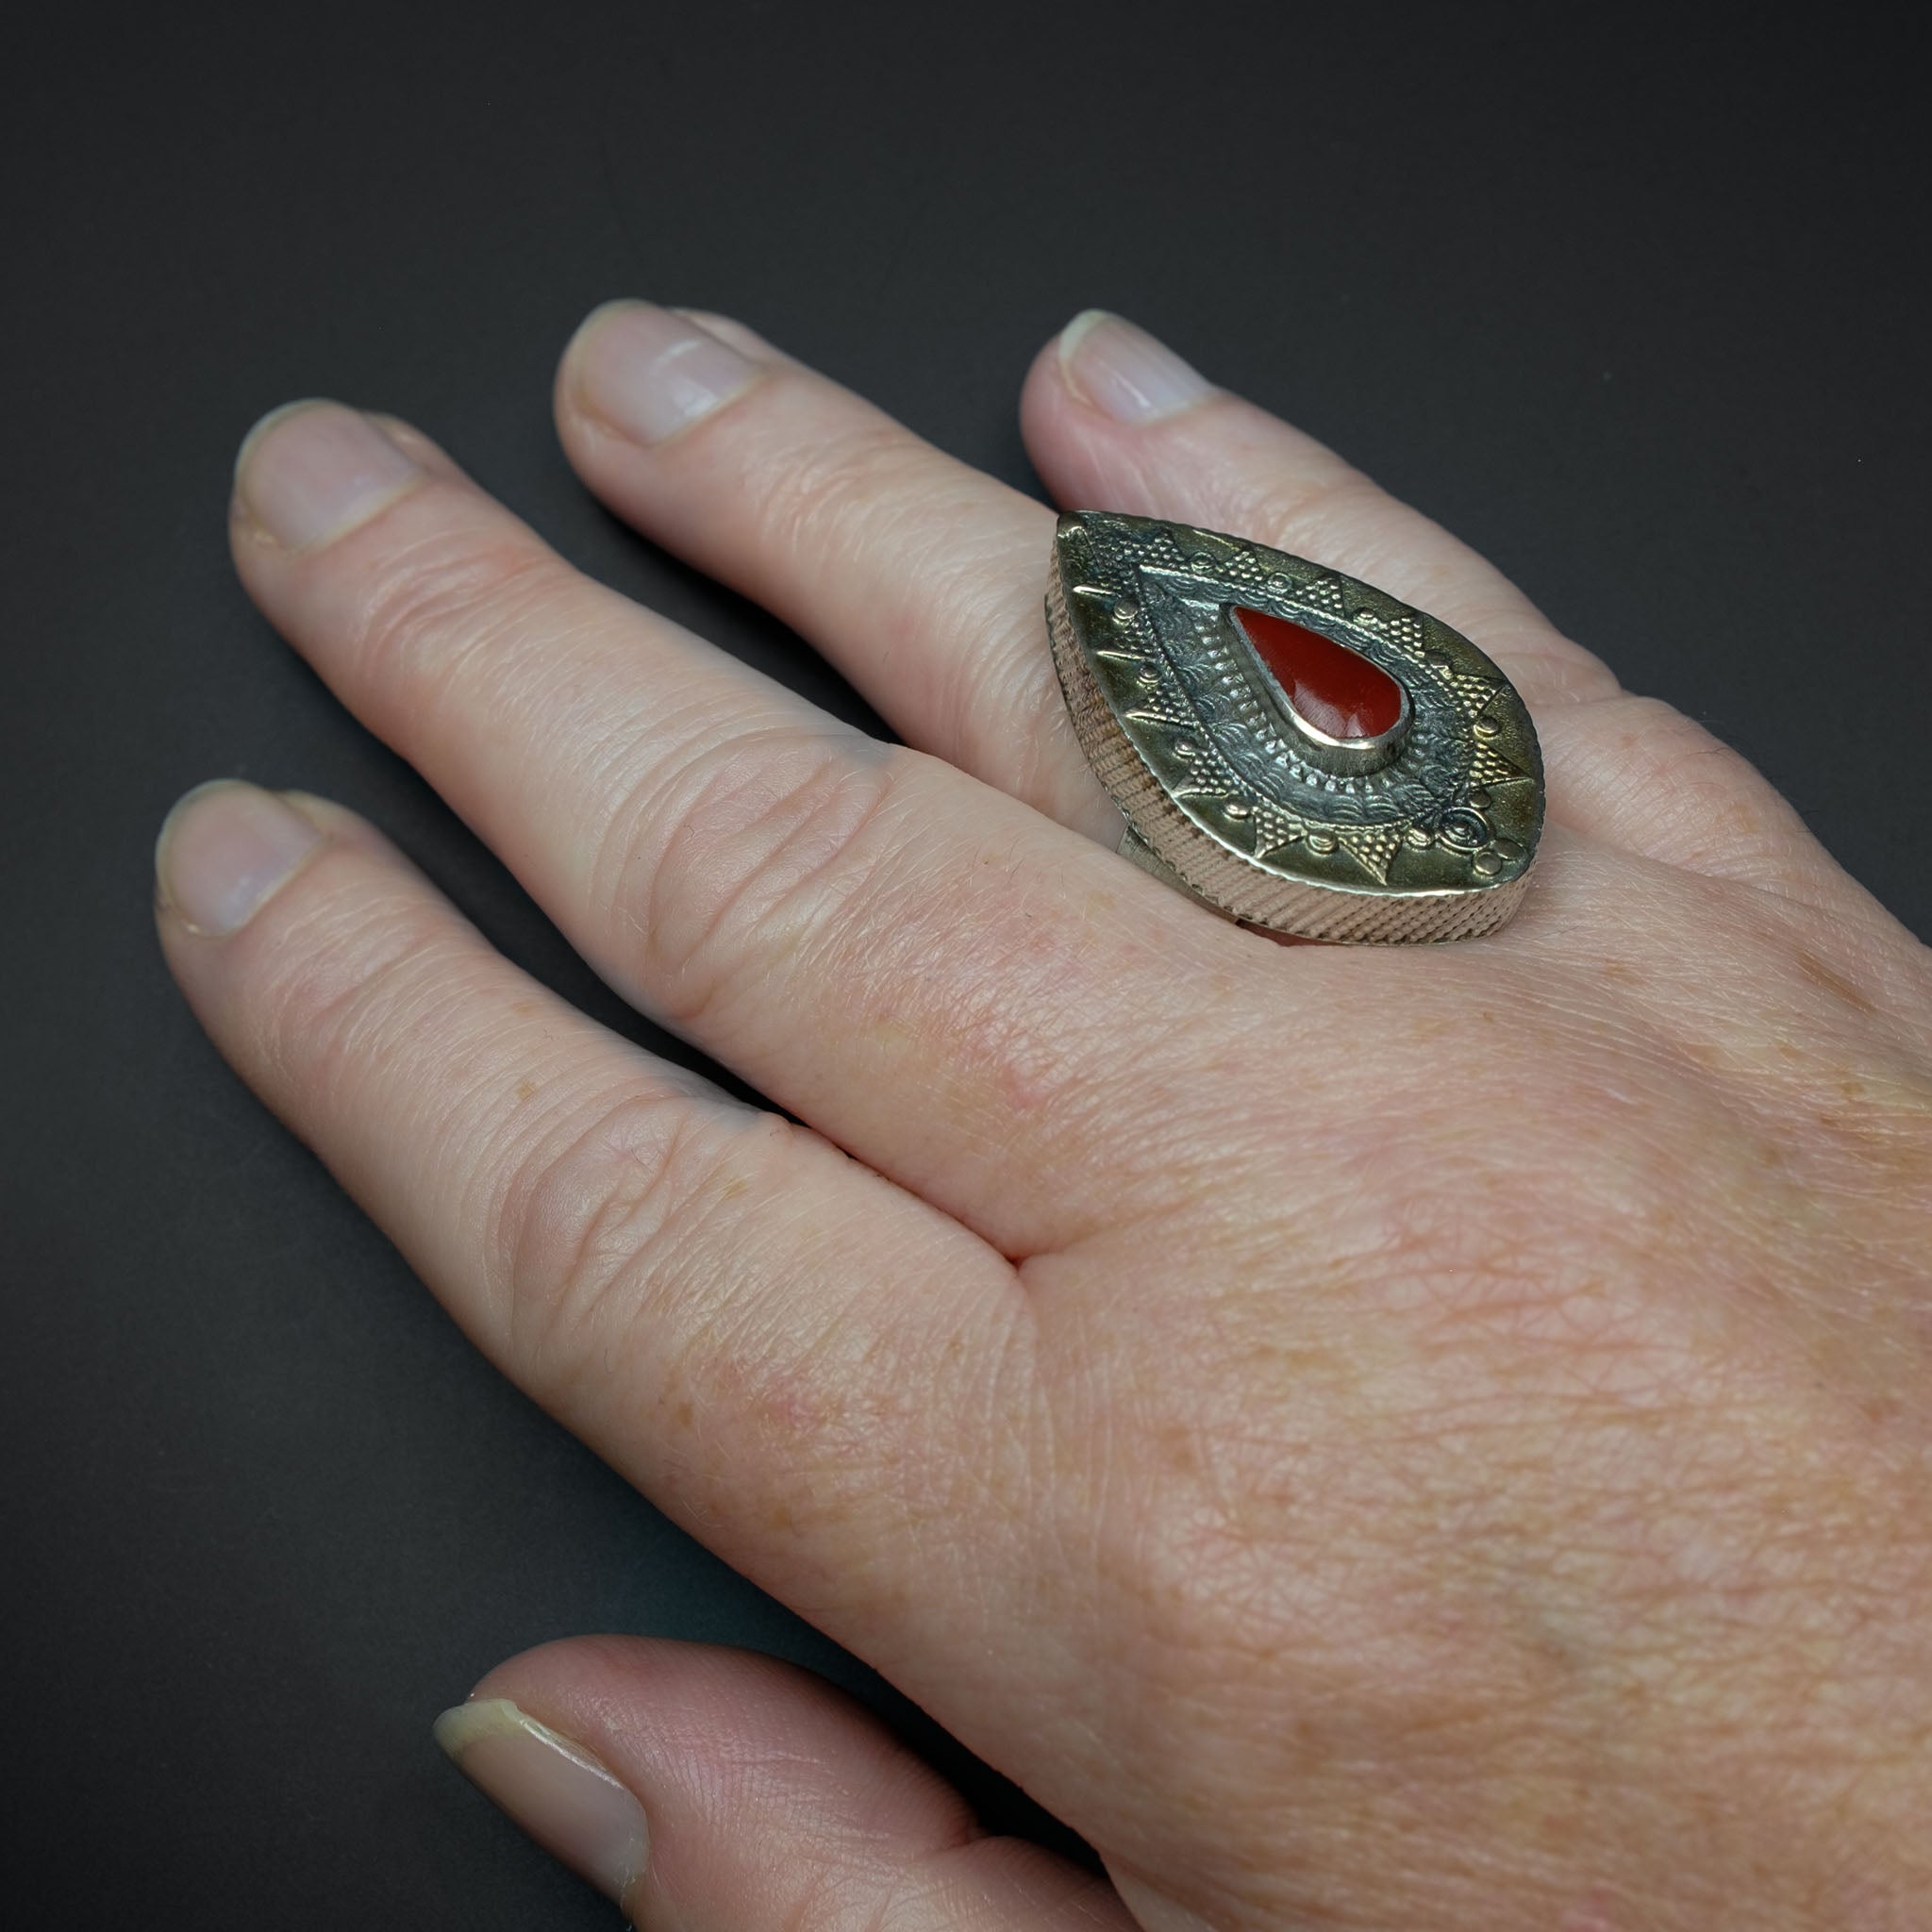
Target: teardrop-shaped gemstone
(1326,684)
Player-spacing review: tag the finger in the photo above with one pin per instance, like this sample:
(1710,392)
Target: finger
(771,1340)
(918,577)
(714,1790)
(1636,773)
(918,965)
(1115,419)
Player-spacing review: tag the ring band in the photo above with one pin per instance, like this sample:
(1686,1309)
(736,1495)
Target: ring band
(1300,752)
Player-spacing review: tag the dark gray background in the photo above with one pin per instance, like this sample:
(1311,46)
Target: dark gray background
(1642,318)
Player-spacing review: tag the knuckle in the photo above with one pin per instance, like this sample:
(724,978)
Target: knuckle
(348,974)
(830,487)
(834,487)
(1652,730)
(871,489)
(731,859)
(994,708)
(1717,809)
(605,1212)
(439,597)
(1335,503)
(1330,510)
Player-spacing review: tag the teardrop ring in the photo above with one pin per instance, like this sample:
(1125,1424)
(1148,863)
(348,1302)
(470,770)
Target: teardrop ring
(1297,750)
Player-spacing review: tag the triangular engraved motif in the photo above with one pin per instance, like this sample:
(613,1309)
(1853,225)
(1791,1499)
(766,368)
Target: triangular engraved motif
(1240,828)
(1490,767)
(1373,849)
(1276,827)
(1280,851)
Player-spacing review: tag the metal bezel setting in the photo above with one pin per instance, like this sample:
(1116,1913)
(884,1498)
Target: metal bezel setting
(1332,754)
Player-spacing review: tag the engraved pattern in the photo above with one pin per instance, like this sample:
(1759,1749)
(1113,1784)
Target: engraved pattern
(1373,849)
(1472,688)
(1226,800)
(1490,767)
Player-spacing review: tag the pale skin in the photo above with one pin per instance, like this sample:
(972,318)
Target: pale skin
(1389,1439)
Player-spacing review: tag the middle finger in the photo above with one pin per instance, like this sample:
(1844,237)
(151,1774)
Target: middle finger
(924,969)
(920,577)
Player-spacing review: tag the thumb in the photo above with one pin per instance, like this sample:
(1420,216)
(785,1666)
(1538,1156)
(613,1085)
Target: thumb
(708,1790)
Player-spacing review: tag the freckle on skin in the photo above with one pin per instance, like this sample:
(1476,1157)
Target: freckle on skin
(526,1087)
(1818,974)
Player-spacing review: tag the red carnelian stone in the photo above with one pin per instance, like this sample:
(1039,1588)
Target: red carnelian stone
(1328,686)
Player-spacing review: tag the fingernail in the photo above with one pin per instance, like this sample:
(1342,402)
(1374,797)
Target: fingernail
(650,371)
(223,851)
(553,1788)
(1122,372)
(312,471)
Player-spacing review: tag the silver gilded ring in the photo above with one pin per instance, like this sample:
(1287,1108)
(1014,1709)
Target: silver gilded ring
(1299,751)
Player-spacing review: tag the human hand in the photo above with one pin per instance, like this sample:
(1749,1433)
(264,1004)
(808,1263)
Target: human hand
(1414,1438)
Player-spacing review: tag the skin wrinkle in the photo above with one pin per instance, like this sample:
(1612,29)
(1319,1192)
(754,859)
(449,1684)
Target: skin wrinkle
(1676,792)
(693,1237)
(441,602)
(849,490)
(343,981)
(649,765)
(498,1182)
(1668,994)
(621,1181)
(874,937)
(791,836)
(1019,720)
